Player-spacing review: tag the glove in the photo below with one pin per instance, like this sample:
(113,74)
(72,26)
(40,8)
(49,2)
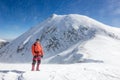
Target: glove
(35,56)
(42,56)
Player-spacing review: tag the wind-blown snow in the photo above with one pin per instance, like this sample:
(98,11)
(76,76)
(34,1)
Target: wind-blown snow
(85,48)
(63,38)
(84,71)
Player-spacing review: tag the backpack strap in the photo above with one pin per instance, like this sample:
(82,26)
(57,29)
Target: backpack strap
(34,48)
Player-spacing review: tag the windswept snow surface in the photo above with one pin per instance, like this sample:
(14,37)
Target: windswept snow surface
(82,71)
(76,48)
(66,39)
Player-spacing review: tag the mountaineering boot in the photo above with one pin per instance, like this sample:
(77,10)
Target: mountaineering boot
(37,68)
(33,66)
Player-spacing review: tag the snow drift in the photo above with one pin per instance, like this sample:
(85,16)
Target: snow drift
(67,39)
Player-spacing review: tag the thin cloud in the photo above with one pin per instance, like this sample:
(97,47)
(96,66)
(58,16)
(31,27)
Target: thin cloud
(117,11)
(116,22)
(111,12)
(114,10)
(15,27)
(113,7)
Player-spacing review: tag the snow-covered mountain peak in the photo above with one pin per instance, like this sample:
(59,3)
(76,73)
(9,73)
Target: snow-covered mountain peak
(53,15)
(73,38)
(75,20)
(62,37)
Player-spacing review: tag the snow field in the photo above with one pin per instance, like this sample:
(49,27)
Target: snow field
(84,71)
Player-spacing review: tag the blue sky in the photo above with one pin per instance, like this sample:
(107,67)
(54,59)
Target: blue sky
(18,16)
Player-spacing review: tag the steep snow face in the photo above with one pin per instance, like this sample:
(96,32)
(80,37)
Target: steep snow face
(62,37)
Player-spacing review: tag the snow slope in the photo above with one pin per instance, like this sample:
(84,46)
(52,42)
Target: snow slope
(82,48)
(82,71)
(69,38)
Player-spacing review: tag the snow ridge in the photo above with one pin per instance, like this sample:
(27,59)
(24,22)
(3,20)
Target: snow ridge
(64,39)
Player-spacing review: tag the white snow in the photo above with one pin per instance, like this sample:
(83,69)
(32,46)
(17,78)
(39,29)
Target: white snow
(84,71)
(76,48)
(104,48)
(59,34)
(1,40)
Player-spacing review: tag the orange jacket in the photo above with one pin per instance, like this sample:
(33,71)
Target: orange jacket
(37,49)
